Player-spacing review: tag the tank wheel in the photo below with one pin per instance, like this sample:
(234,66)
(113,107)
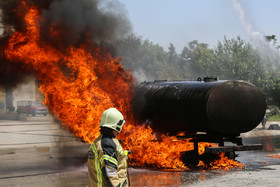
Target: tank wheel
(207,158)
(231,155)
(190,158)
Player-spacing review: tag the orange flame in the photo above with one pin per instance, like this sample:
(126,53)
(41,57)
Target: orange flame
(80,83)
(226,163)
(274,156)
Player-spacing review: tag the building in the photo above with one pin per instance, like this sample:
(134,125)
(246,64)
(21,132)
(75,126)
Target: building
(27,90)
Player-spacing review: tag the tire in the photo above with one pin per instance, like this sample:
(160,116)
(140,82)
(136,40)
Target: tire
(207,158)
(231,155)
(190,158)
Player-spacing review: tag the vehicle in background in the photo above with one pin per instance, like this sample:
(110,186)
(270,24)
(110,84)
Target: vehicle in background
(32,107)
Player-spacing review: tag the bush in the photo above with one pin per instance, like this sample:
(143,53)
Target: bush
(273,110)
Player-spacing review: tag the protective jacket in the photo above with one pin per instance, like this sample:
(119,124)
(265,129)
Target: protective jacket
(107,162)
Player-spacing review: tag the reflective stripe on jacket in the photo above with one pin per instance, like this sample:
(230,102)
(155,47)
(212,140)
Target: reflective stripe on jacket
(107,163)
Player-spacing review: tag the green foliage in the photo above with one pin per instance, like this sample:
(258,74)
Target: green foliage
(273,110)
(197,57)
(235,59)
(272,38)
(271,84)
(275,117)
(271,87)
(172,55)
(144,56)
(274,114)
(231,59)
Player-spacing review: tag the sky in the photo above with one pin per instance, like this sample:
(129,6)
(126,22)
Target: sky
(208,21)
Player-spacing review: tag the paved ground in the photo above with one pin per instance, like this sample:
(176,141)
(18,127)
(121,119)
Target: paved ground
(39,152)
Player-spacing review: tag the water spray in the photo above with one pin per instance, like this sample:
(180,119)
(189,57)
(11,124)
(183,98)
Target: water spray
(266,49)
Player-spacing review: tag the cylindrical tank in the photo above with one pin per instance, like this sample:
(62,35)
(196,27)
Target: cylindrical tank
(219,107)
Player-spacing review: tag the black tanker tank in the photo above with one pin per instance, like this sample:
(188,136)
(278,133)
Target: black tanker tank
(215,107)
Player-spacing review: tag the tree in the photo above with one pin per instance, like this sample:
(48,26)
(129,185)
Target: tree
(145,58)
(236,59)
(198,57)
(232,59)
(185,54)
(172,55)
(271,38)
(271,85)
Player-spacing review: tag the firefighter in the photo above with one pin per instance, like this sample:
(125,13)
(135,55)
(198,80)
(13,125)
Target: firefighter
(107,161)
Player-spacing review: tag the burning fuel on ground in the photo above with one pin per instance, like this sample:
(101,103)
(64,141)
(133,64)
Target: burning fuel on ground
(80,79)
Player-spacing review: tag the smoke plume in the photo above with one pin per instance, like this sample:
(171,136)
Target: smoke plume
(76,21)
(63,23)
(101,21)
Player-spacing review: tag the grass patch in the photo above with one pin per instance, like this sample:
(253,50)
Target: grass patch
(275,117)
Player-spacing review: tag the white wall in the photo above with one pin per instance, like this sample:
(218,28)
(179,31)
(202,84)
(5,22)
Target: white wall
(24,91)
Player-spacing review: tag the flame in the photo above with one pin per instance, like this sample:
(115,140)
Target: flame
(80,83)
(274,156)
(225,163)
(268,144)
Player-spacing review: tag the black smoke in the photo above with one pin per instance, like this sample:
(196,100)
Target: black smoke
(76,21)
(100,21)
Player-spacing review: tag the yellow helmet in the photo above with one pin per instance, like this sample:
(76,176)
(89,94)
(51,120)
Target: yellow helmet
(113,119)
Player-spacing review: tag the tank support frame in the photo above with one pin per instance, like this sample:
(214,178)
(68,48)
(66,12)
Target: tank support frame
(191,158)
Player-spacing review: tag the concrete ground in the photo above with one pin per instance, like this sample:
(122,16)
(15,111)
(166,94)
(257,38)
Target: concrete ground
(39,152)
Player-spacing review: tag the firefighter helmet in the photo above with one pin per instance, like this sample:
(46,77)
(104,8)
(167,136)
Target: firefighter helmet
(113,119)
